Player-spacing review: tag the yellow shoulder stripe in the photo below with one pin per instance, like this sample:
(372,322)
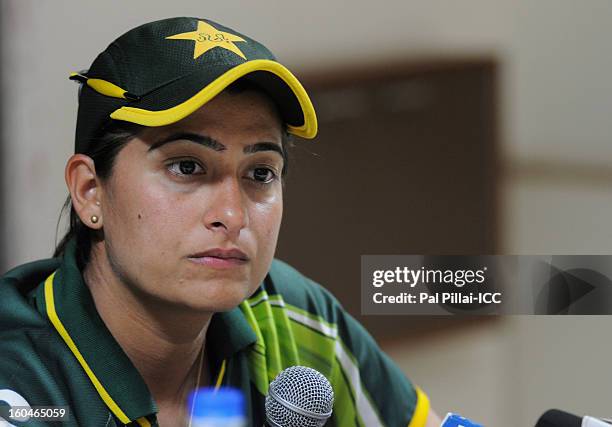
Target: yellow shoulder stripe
(50,303)
(143,422)
(419,417)
(178,112)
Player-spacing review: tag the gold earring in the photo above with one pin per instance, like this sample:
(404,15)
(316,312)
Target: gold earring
(94,219)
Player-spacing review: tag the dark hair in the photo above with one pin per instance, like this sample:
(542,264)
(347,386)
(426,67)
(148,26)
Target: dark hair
(110,141)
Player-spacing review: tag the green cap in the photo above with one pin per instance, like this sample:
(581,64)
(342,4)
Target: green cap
(160,72)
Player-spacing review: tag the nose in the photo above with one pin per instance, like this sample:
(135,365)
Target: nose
(226,211)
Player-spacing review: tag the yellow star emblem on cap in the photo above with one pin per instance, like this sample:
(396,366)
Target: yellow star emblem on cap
(207,37)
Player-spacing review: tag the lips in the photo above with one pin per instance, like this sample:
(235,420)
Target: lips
(223,254)
(220,258)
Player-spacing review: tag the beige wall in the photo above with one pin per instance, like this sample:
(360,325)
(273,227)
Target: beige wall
(507,375)
(556,102)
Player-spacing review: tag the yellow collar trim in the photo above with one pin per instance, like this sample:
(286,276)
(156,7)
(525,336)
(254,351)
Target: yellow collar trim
(57,323)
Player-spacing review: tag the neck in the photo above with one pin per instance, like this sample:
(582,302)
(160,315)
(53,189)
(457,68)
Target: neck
(164,342)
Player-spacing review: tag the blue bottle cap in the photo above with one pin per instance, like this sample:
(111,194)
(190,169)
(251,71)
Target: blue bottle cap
(455,420)
(224,402)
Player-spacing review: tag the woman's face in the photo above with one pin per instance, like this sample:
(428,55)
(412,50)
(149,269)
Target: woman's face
(191,212)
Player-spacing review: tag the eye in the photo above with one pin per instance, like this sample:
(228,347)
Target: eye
(262,175)
(185,167)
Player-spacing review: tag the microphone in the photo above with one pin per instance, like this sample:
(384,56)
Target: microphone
(299,397)
(557,418)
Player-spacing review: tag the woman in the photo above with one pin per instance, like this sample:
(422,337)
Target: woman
(166,280)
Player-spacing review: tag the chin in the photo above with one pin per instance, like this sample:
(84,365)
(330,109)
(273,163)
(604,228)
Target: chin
(217,296)
(217,306)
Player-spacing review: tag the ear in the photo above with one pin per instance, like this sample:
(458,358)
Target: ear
(85,190)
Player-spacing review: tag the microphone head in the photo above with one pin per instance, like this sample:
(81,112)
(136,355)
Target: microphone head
(299,397)
(557,418)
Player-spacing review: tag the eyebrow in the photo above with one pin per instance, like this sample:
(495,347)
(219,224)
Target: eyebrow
(264,146)
(204,140)
(215,145)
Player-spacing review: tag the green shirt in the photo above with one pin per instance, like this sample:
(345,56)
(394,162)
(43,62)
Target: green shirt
(56,350)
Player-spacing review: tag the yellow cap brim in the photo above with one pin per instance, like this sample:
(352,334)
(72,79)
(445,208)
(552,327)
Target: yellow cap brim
(171,115)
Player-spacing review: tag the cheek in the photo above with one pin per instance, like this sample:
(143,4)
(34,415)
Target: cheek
(265,225)
(145,216)
(266,221)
